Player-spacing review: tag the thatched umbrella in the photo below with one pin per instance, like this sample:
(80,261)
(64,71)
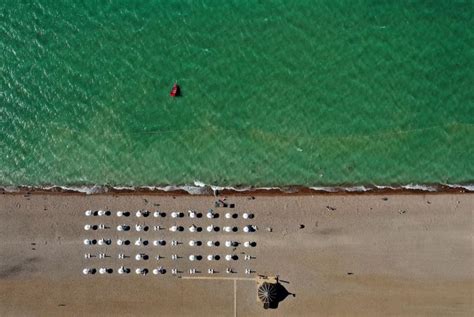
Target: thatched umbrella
(267,293)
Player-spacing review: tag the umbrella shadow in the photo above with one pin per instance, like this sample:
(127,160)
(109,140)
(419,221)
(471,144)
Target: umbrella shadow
(281,294)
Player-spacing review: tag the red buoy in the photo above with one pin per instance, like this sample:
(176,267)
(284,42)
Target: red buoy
(175,90)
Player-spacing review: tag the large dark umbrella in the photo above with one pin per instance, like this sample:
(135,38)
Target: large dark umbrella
(267,293)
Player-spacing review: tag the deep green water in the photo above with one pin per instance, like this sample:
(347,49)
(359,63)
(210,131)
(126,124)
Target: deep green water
(274,92)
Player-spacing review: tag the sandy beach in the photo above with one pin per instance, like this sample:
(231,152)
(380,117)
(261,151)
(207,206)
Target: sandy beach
(340,255)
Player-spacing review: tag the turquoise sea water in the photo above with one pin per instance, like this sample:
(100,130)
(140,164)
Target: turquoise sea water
(274,92)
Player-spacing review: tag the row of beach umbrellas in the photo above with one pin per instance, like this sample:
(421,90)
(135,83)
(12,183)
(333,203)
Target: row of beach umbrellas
(157,271)
(174,214)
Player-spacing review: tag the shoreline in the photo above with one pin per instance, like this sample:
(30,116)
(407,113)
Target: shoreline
(199,189)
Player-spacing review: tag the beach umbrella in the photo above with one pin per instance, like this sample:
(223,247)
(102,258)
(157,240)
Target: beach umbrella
(87,227)
(192,257)
(105,241)
(231,244)
(228,215)
(210,243)
(88,212)
(119,242)
(192,243)
(173,228)
(102,270)
(246,215)
(249,228)
(156,214)
(123,228)
(123,270)
(210,214)
(139,227)
(267,293)
(141,271)
(227,229)
(210,228)
(193,228)
(192,214)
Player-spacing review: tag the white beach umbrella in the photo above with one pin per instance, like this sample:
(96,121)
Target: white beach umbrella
(212,257)
(88,212)
(87,241)
(228,215)
(102,270)
(123,228)
(101,212)
(193,228)
(119,242)
(227,229)
(246,215)
(192,257)
(142,213)
(246,244)
(192,214)
(123,270)
(174,214)
(210,214)
(228,257)
(174,228)
(139,257)
(210,228)
(192,243)
(87,227)
(119,213)
(141,271)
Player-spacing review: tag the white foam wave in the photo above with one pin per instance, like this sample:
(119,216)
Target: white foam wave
(200,188)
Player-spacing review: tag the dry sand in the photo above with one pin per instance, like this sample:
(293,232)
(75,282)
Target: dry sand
(357,255)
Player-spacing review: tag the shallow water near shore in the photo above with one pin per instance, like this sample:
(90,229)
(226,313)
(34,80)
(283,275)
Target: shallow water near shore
(333,93)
